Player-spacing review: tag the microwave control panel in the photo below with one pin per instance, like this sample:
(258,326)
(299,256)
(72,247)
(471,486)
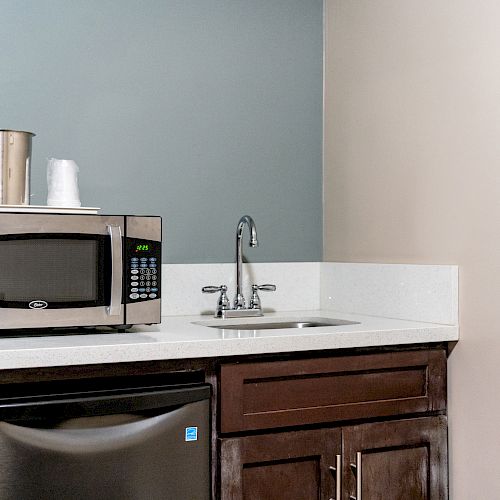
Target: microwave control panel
(142,270)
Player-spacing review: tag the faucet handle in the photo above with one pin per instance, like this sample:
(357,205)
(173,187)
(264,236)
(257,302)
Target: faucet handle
(266,288)
(214,289)
(255,300)
(223,303)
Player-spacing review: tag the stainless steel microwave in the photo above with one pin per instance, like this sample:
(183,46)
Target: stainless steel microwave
(79,270)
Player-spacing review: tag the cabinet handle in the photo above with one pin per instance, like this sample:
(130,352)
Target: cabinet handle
(337,470)
(356,469)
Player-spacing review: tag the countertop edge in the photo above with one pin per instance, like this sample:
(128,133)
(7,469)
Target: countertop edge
(180,338)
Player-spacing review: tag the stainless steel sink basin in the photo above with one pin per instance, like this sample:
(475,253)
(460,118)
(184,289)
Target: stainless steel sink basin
(289,323)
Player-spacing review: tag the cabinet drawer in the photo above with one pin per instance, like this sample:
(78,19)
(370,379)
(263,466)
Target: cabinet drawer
(297,392)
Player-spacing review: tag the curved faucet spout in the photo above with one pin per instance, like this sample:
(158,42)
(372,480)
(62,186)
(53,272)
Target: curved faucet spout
(239,301)
(246,219)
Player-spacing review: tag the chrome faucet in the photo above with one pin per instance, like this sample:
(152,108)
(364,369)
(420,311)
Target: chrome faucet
(239,300)
(239,310)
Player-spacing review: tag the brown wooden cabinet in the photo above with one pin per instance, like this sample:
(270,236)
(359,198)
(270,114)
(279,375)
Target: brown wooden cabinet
(288,465)
(396,460)
(356,454)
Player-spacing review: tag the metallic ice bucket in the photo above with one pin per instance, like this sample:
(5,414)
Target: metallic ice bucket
(15,159)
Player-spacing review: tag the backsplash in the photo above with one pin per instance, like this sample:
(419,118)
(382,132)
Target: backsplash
(426,293)
(297,286)
(415,292)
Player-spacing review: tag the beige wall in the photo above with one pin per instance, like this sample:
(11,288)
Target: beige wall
(412,174)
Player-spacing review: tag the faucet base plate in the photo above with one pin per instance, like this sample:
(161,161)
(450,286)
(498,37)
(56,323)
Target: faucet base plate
(238,313)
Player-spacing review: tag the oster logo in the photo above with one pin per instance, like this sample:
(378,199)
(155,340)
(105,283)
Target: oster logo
(37,304)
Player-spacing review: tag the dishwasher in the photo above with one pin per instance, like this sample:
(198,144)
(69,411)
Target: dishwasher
(128,438)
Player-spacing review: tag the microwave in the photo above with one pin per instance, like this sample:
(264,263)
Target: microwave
(79,270)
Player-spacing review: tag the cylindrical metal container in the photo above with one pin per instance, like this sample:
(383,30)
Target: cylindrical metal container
(15,159)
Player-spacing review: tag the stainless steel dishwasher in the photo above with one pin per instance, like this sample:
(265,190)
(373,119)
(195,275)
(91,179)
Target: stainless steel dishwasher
(126,443)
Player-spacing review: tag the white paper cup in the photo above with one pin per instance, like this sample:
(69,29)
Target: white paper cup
(62,183)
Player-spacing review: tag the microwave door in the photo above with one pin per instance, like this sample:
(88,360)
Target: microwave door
(60,270)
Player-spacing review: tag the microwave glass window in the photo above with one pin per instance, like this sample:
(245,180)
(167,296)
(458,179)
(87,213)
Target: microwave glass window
(54,270)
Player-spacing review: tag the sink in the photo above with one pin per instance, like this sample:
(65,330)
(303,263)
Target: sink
(289,323)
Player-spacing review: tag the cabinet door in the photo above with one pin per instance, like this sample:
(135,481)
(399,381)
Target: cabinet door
(396,460)
(283,466)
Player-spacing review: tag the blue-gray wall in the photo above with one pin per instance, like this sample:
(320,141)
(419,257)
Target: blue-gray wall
(197,110)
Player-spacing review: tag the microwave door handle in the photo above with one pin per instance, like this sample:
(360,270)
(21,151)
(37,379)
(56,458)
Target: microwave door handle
(115,303)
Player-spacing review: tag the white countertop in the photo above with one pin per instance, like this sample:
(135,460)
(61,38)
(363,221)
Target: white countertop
(179,337)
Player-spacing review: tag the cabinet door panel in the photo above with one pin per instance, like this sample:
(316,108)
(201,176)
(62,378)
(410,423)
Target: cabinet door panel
(400,460)
(284,466)
(272,479)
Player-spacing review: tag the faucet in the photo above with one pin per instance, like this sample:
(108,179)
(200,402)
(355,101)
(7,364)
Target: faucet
(239,310)
(239,300)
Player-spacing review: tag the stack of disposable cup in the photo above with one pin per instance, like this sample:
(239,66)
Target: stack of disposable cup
(62,183)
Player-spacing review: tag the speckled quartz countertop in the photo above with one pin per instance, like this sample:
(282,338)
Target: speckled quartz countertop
(182,337)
